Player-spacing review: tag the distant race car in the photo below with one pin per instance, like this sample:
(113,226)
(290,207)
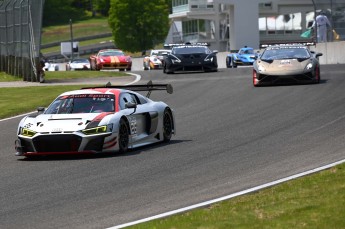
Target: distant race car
(50,66)
(95,120)
(78,64)
(245,56)
(281,64)
(190,57)
(111,59)
(156,59)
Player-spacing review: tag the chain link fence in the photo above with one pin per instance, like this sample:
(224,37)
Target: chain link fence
(20,38)
(335,12)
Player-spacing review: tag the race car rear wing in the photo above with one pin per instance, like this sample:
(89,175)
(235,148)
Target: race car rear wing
(149,87)
(170,46)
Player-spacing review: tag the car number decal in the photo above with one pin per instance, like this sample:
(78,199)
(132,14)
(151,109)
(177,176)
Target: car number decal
(133,125)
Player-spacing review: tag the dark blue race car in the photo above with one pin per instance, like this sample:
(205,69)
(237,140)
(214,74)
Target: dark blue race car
(245,56)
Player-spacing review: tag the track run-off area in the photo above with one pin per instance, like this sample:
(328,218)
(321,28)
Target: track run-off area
(230,137)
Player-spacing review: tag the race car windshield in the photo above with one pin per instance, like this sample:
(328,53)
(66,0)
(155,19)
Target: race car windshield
(190,50)
(285,53)
(112,53)
(247,51)
(85,103)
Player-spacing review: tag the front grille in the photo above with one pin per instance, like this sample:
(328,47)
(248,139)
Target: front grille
(95,144)
(192,56)
(57,143)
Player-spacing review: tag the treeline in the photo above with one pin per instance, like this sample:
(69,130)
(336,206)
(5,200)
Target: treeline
(58,12)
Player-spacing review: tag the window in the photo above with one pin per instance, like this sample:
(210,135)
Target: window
(128,98)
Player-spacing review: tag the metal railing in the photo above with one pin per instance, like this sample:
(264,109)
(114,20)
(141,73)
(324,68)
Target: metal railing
(20,38)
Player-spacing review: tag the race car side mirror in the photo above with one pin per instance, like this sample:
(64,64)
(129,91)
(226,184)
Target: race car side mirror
(130,105)
(318,54)
(40,110)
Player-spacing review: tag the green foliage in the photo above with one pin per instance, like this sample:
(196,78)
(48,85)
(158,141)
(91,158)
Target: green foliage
(138,24)
(59,12)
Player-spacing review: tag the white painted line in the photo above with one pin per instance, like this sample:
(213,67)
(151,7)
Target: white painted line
(6,119)
(137,78)
(254,189)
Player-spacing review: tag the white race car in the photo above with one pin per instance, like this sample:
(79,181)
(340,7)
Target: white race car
(95,120)
(156,59)
(78,64)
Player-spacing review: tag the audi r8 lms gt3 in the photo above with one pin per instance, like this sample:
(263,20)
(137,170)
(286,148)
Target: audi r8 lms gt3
(245,56)
(111,59)
(286,64)
(78,64)
(156,59)
(190,58)
(95,120)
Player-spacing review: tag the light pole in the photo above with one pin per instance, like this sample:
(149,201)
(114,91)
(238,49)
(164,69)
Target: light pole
(71,29)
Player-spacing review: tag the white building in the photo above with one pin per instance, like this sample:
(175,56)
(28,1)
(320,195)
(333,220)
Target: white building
(231,24)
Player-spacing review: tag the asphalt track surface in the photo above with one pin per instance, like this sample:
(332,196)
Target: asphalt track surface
(230,137)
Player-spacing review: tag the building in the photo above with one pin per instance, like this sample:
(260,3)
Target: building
(231,24)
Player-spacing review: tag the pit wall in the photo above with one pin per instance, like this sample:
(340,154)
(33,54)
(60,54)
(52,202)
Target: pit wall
(333,52)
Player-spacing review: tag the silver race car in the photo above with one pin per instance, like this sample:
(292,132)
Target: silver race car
(95,120)
(282,64)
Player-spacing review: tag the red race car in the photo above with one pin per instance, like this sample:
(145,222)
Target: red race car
(110,59)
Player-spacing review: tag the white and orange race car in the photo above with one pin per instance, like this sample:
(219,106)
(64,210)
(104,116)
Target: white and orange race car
(97,120)
(111,59)
(156,59)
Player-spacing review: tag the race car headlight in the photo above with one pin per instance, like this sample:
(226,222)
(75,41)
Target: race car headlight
(101,60)
(309,66)
(209,58)
(95,130)
(261,68)
(175,60)
(27,132)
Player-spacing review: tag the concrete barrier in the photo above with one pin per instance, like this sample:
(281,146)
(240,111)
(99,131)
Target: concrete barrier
(333,52)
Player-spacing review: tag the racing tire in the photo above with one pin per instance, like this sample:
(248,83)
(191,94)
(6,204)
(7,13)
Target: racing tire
(255,76)
(165,69)
(167,125)
(227,62)
(233,65)
(123,136)
(317,75)
(128,69)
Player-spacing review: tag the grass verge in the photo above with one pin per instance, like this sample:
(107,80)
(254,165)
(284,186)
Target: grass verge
(36,96)
(28,99)
(314,201)
(83,28)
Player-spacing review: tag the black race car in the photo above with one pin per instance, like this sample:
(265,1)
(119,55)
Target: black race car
(190,57)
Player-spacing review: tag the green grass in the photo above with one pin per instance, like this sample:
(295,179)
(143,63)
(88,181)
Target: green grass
(36,96)
(81,43)
(28,99)
(81,74)
(315,201)
(80,29)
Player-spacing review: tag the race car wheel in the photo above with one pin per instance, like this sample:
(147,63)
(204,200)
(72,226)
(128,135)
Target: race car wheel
(317,74)
(227,62)
(255,78)
(233,65)
(165,69)
(128,69)
(167,126)
(123,136)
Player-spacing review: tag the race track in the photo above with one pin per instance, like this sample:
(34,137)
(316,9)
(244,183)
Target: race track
(230,137)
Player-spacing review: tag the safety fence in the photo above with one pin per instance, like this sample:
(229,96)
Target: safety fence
(20,38)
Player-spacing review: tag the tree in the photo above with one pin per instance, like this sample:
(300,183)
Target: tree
(138,24)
